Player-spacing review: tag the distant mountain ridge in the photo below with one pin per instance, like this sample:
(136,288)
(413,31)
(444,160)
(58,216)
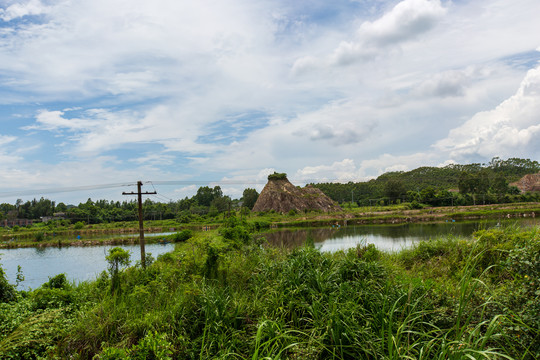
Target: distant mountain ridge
(440,179)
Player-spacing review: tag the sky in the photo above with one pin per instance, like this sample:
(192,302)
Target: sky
(191,93)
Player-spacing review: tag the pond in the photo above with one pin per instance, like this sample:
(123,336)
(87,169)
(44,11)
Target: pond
(384,237)
(85,263)
(80,263)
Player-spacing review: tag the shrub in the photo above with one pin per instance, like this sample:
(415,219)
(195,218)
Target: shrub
(45,298)
(166,257)
(112,353)
(415,205)
(39,236)
(259,225)
(35,333)
(367,252)
(148,259)
(211,263)
(181,236)
(236,234)
(78,225)
(7,291)
(152,346)
(277,176)
(57,282)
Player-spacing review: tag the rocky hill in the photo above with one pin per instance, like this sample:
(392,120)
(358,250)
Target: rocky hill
(282,196)
(530,182)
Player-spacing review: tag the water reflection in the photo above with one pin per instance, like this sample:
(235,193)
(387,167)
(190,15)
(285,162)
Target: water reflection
(385,237)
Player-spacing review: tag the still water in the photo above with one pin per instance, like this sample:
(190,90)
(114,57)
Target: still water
(78,262)
(384,237)
(85,263)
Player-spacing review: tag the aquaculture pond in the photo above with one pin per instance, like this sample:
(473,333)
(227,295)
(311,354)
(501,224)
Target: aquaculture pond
(385,237)
(80,263)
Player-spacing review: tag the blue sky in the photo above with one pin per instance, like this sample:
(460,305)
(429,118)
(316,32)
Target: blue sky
(106,92)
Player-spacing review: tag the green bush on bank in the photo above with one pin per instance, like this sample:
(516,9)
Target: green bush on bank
(181,236)
(7,291)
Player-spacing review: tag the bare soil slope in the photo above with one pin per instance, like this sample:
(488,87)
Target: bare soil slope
(530,182)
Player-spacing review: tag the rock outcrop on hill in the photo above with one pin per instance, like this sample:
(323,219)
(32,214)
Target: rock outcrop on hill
(530,182)
(282,196)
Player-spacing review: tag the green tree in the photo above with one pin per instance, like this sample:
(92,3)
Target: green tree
(61,207)
(221,203)
(205,195)
(427,195)
(499,186)
(249,198)
(466,183)
(393,189)
(117,258)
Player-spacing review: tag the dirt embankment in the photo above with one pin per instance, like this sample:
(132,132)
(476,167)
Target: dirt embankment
(440,214)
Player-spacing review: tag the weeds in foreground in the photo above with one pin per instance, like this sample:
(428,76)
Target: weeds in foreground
(227,297)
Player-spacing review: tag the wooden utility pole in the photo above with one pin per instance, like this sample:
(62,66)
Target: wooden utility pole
(139,194)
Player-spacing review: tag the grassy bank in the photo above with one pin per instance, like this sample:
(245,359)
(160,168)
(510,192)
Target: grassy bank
(222,295)
(398,214)
(41,234)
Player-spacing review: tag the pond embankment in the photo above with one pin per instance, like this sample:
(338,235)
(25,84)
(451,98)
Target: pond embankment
(439,214)
(97,235)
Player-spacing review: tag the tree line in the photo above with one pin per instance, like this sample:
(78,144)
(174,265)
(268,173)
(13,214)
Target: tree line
(434,186)
(206,202)
(453,184)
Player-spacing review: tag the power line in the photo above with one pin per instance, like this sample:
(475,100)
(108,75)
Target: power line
(161,197)
(63,189)
(160,182)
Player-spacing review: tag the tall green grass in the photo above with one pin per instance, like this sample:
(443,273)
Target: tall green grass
(223,296)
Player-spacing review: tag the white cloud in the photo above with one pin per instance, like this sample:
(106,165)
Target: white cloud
(125,83)
(54,121)
(445,84)
(9,154)
(511,129)
(348,170)
(227,88)
(339,171)
(41,175)
(155,159)
(188,191)
(338,123)
(89,48)
(405,21)
(6,139)
(18,10)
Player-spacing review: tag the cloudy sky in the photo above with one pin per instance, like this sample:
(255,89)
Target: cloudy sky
(112,91)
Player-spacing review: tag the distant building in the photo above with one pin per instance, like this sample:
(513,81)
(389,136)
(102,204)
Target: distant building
(56,216)
(16,222)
